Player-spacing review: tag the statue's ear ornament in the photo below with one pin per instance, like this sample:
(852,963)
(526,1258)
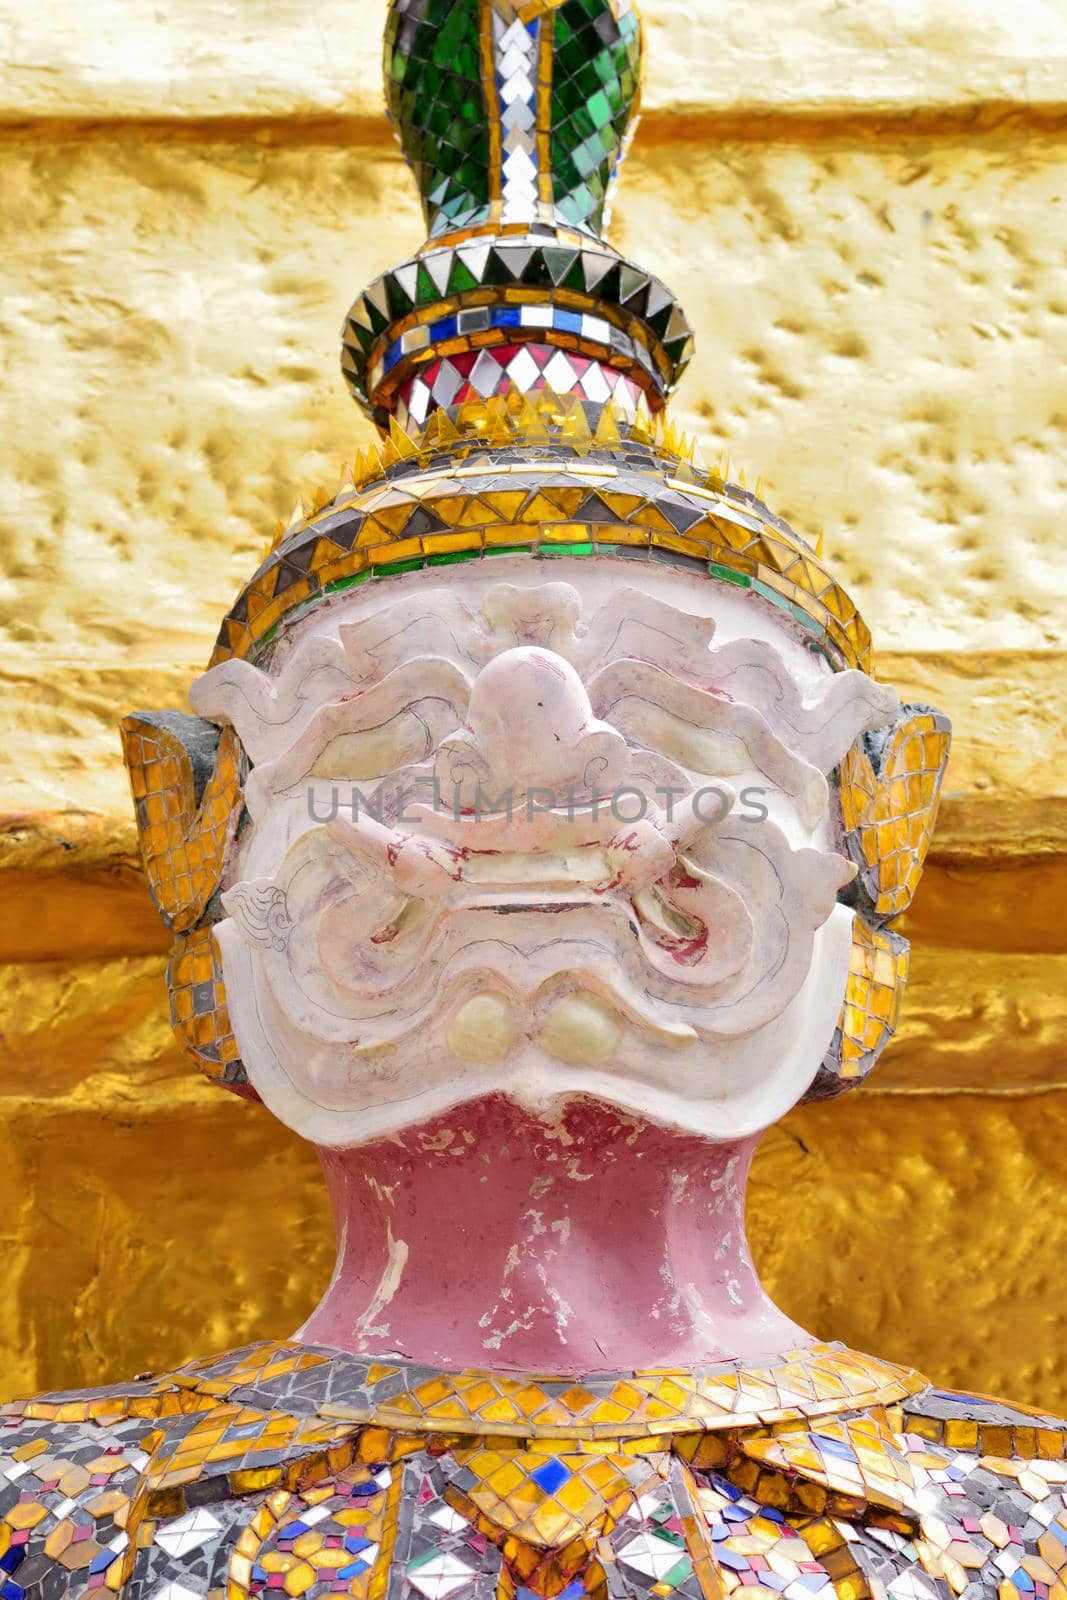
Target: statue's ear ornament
(890,787)
(186,775)
(199,1014)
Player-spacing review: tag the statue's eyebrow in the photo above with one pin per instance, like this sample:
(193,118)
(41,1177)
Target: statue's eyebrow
(264,707)
(430,691)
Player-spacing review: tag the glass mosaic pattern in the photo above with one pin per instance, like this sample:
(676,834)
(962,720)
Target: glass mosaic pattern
(594,87)
(515,113)
(551,484)
(889,801)
(238,1477)
(514,116)
(198,1010)
(525,367)
(479,292)
(436,96)
(186,779)
(877,974)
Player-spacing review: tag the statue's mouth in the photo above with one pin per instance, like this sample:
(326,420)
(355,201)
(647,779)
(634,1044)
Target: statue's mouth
(539,977)
(367,935)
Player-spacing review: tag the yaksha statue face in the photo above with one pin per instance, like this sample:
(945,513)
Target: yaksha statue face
(547,826)
(538,760)
(544,832)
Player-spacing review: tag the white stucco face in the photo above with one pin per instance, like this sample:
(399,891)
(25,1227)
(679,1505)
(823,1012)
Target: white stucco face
(539,829)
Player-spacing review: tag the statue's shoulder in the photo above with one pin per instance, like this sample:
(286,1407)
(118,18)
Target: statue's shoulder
(71,1466)
(942,1494)
(991,1493)
(160,1472)
(980,1423)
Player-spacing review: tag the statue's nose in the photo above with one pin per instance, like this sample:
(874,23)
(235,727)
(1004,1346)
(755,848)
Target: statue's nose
(533,702)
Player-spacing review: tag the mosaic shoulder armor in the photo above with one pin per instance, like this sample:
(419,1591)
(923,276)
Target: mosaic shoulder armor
(296,1471)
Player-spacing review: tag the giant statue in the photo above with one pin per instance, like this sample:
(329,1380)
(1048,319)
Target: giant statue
(534,843)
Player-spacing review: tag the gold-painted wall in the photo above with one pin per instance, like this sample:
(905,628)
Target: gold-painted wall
(862,208)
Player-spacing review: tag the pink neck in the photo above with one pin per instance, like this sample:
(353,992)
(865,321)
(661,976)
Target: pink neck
(491,1239)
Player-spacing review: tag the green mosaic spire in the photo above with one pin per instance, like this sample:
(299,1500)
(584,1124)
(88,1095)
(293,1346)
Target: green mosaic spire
(513,112)
(596,74)
(514,116)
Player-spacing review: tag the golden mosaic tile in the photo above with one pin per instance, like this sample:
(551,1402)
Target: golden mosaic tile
(199,1013)
(890,813)
(184,825)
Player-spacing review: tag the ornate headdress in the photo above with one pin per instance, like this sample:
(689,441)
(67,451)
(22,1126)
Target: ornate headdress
(518,369)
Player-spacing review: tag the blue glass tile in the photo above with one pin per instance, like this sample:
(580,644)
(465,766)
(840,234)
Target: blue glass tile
(353,1569)
(729,1558)
(552,1476)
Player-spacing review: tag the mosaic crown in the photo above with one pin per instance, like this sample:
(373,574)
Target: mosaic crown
(514,116)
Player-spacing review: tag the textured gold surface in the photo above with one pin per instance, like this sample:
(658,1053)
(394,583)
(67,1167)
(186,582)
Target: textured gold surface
(901,390)
(887,392)
(282,58)
(872,267)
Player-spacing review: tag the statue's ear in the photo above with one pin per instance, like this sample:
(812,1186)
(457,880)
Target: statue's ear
(890,790)
(186,777)
(877,975)
(199,1012)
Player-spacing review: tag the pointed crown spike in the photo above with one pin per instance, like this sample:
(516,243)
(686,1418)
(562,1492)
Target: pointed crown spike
(607,430)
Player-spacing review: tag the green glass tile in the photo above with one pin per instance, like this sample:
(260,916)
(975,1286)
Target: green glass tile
(347,583)
(728,575)
(575,276)
(391,568)
(270,635)
(599,109)
(496,272)
(362,336)
(804,619)
(433,85)
(426,291)
(538,271)
(451,557)
(400,302)
(561,264)
(461,278)
(376,318)
(772,595)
